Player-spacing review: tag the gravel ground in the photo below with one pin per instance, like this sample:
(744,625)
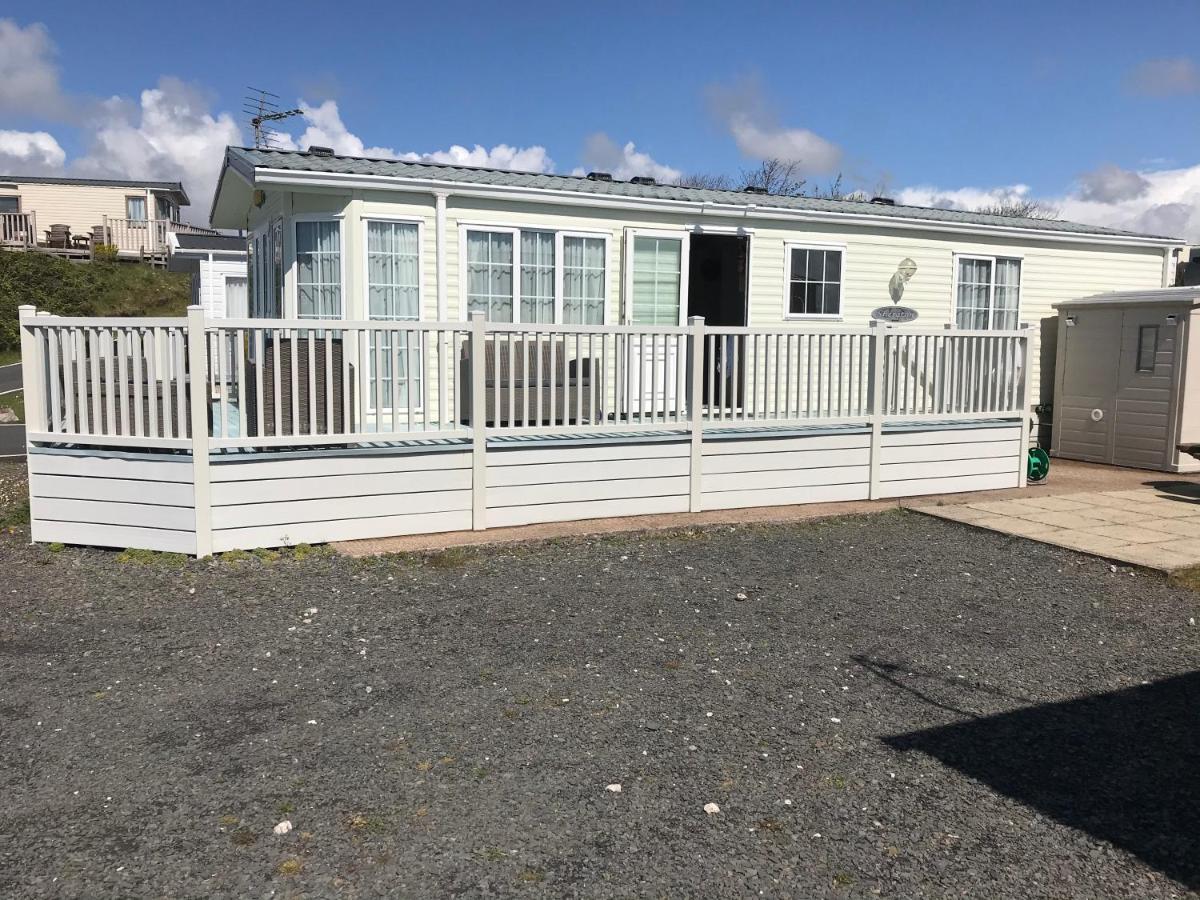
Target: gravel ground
(14,488)
(888,705)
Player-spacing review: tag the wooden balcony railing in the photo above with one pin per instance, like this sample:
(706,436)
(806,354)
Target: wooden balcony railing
(18,229)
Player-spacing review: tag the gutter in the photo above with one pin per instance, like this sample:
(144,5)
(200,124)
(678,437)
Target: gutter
(339,181)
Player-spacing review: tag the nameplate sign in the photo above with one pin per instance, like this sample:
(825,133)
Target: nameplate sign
(894,314)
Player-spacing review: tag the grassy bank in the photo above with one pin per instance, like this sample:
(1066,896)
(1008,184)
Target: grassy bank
(74,289)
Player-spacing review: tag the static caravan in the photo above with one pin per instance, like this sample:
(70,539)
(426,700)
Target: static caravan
(1124,365)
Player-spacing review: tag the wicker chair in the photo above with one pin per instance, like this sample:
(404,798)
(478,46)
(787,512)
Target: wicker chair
(519,385)
(265,369)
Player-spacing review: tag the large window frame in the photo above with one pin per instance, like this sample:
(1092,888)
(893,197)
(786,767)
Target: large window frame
(992,260)
(131,199)
(294,292)
(789,248)
(560,234)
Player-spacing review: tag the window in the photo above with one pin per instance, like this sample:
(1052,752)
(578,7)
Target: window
(10,204)
(490,274)
(235,297)
(1147,351)
(135,208)
(163,207)
(814,281)
(393,295)
(537,277)
(657,280)
(560,276)
(319,269)
(583,280)
(988,292)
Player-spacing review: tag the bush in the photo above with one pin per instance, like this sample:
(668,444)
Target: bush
(71,289)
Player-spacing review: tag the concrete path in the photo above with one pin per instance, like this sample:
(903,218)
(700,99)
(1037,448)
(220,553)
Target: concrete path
(1156,525)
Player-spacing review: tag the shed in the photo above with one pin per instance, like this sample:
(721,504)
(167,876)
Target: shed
(217,263)
(1123,379)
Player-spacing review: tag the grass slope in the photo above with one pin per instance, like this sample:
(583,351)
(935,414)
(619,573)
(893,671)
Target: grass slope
(74,289)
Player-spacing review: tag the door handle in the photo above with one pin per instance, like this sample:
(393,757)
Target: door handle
(1097,415)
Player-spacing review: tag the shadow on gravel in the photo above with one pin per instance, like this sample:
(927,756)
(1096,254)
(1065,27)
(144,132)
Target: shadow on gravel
(1123,766)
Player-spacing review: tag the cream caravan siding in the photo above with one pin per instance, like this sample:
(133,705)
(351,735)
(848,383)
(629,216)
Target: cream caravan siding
(80,206)
(1051,271)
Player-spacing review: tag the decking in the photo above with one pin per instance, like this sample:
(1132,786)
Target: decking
(332,430)
(126,239)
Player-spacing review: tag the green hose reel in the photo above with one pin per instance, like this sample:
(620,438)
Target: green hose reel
(1038,465)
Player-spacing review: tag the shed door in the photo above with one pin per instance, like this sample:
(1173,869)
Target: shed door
(1143,396)
(1093,342)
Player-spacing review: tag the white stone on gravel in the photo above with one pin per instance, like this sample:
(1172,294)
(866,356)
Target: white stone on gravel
(614,788)
(711,808)
(283,827)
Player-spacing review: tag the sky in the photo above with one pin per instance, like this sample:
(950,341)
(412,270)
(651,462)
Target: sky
(1079,104)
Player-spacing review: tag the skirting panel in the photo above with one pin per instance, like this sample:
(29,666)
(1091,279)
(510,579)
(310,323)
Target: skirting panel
(264,502)
(112,500)
(783,471)
(558,484)
(943,461)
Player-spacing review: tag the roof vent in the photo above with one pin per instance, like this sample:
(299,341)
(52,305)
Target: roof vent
(599,176)
(754,189)
(320,151)
(642,179)
(883,201)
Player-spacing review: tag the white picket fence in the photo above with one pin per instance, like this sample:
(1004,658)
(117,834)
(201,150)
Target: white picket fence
(301,383)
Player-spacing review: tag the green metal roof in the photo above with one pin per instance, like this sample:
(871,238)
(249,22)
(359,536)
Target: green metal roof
(247,160)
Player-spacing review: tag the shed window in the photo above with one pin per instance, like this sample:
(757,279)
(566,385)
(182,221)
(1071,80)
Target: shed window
(815,282)
(988,292)
(1147,347)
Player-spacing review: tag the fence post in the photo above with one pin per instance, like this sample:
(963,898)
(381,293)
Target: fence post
(478,423)
(33,373)
(877,405)
(1026,347)
(197,350)
(695,413)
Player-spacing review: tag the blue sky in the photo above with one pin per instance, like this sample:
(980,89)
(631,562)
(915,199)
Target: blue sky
(943,97)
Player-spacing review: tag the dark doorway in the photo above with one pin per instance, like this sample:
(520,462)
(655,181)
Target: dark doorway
(717,291)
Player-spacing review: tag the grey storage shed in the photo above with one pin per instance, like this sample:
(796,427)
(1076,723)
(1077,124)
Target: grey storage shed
(1123,393)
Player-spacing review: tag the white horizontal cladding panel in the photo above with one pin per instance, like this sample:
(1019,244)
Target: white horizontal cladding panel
(951,435)
(591,509)
(609,489)
(756,460)
(917,486)
(596,470)
(248,538)
(318,465)
(767,444)
(786,478)
(92,534)
(815,493)
(929,452)
(338,508)
(118,490)
(906,471)
(274,490)
(177,469)
(105,512)
(501,456)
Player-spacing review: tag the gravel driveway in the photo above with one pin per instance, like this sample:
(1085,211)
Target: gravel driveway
(888,705)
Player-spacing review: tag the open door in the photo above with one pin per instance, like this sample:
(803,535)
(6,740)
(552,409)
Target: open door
(718,266)
(656,277)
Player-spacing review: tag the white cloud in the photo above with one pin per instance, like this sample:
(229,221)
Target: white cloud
(28,74)
(1163,202)
(743,109)
(30,153)
(326,129)
(602,154)
(169,135)
(1165,77)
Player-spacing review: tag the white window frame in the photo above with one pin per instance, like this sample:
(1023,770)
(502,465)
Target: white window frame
(145,206)
(984,257)
(369,372)
(632,234)
(788,315)
(294,268)
(515,231)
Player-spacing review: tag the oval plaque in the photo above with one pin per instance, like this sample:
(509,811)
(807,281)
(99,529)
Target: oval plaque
(895,314)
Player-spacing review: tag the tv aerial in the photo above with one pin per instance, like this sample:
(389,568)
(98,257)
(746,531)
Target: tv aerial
(263,109)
